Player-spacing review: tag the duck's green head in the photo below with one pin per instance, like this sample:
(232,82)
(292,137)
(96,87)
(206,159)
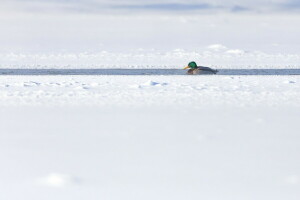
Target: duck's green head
(191,65)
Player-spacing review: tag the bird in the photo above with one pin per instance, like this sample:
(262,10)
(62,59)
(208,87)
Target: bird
(194,69)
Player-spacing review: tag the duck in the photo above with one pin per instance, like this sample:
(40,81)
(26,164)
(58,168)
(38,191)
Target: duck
(195,69)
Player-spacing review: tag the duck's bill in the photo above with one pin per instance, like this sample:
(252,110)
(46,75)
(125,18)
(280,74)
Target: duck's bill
(186,67)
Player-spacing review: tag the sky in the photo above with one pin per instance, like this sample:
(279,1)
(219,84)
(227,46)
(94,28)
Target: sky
(98,6)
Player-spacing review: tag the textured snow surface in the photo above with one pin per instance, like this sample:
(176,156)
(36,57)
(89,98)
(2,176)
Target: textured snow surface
(143,59)
(174,91)
(148,40)
(149,137)
(94,104)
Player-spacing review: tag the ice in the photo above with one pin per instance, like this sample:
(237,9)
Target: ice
(94,104)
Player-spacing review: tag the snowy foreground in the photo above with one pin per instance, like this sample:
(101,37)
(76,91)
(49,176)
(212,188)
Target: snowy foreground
(150,137)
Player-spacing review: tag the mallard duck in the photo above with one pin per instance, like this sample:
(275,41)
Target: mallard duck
(194,69)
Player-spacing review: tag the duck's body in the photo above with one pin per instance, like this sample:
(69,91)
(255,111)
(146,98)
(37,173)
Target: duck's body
(201,70)
(194,69)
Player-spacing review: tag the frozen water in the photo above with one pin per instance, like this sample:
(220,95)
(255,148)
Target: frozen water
(95,105)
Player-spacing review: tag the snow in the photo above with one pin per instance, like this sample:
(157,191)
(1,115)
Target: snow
(57,180)
(146,59)
(149,137)
(94,103)
(235,51)
(138,90)
(149,153)
(217,47)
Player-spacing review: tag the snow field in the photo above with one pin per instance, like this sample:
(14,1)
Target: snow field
(225,137)
(82,152)
(138,91)
(149,137)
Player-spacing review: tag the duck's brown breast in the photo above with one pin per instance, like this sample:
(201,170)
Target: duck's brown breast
(196,71)
(190,72)
(193,71)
